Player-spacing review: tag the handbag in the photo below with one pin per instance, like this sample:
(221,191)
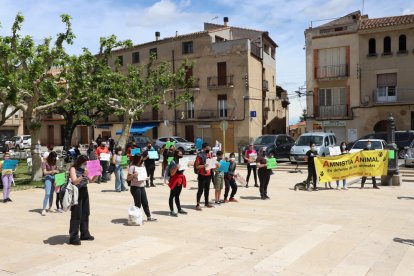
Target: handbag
(111,168)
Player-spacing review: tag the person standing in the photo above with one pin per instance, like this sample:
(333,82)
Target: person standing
(310,156)
(111,143)
(364,178)
(49,171)
(6,178)
(138,187)
(79,215)
(102,149)
(149,164)
(251,166)
(119,173)
(218,178)
(204,176)
(99,140)
(344,150)
(264,173)
(176,183)
(230,181)
(168,154)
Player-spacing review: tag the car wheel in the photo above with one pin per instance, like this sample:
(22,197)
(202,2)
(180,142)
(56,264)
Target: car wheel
(402,153)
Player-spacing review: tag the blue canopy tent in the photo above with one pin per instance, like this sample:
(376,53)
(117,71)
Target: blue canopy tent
(139,128)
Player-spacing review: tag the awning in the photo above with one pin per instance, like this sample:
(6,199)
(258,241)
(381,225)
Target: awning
(139,128)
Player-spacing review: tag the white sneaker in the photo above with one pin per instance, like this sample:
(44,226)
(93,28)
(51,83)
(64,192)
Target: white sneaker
(43,212)
(345,188)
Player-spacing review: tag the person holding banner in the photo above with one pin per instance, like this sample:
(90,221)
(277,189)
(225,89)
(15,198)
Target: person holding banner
(149,164)
(79,215)
(229,180)
(6,178)
(310,156)
(250,158)
(138,186)
(102,152)
(264,173)
(119,173)
(344,150)
(364,178)
(176,182)
(49,171)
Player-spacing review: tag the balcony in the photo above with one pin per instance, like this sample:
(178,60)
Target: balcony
(331,72)
(265,86)
(205,114)
(220,82)
(194,86)
(393,95)
(149,116)
(333,111)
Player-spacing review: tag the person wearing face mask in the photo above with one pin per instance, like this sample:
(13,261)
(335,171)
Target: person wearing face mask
(7,179)
(204,176)
(264,173)
(229,180)
(364,178)
(218,178)
(310,156)
(344,150)
(149,164)
(168,154)
(251,166)
(49,171)
(79,215)
(104,164)
(119,173)
(176,183)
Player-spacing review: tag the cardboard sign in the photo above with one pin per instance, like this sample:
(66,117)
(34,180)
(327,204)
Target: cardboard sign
(252,158)
(271,163)
(169,144)
(135,151)
(183,162)
(60,179)
(124,160)
(170,159)
(224,166)
(335,151)
(391,154)
(105,156)
(93,167)
(240,179)
(10,164)
(142,173)
(153,154)
(210,164)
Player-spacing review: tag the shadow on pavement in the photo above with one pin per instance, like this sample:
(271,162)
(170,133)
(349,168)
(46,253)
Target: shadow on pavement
(108,191)
(191,207)
(161,213)
(123,221)
(404,241)
(36,211)
(57,240)
(405,197)
(251,197)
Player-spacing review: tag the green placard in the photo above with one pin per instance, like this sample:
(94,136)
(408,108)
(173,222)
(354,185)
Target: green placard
(60,179)
(169,144)
(170,159)
(124,160)
(391,154)
(271,163)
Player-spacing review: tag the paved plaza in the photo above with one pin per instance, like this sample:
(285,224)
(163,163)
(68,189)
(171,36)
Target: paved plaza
(329,232)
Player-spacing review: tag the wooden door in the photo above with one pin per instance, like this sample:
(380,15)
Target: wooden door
(221,73)
(50,135)
(189,133)
(84,135)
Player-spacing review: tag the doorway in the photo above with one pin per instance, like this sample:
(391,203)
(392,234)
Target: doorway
(50,135)
(221,73)
(189,133)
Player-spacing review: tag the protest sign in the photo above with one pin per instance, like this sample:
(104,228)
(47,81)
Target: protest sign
(183,163)
(252,158)
(153,154)
(333,151)
(170,159)
(271,163)
(135,151)
(210,164)
(142,173)
(224,166)
(93,167)
(105,157)
(391,154)
(60,179)
(124,160)
(169,144)
(10,164)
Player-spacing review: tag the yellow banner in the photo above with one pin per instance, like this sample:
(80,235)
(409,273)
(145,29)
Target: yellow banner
(363,163)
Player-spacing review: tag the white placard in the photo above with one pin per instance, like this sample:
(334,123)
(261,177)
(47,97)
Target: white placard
(105,156)
(335,151)
(142,173)
(183,162)
(252,158)
(210,164)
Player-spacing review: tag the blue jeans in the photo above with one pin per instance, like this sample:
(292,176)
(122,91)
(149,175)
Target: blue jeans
(343,181)
(49,190)
(119,178)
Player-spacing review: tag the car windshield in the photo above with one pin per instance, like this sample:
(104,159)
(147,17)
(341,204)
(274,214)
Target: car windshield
(363,145)
(142,139)
(180,140)
(26,137)
(264,140)
(307,140)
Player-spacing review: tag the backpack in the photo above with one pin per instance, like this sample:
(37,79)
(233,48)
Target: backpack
(203,161)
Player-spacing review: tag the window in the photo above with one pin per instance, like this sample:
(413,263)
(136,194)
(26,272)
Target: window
(120,60)
(273,105)
(387,46)
(190,109)
(266,48)
(332,102)
(386,87)
(372,51)
(135,57)
(153,53)
(332,62)
(16,116)
(188,47)
(273,52)
(222,105)
(273,81)
(221,73)
(218,38)
(402,44)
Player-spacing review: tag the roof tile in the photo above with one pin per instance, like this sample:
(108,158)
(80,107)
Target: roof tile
(386,22)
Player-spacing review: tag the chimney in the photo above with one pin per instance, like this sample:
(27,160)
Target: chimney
(157,35)
(226,20)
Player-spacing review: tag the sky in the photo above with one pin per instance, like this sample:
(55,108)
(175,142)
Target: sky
(285,20)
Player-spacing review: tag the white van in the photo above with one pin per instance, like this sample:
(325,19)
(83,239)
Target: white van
(322,140)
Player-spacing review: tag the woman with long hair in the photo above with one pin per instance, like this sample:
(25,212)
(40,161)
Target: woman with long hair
(176,182)
(79,217)
(119,174)
(49,171)
(344,150)
(263,173)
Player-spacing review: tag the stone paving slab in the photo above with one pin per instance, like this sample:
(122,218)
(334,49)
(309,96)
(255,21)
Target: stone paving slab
(329,232)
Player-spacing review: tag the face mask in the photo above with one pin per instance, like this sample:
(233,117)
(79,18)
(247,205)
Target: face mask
(232,159)
(83,166)
(119,152)
(369,146)
(313,148)
(149,147)
(343,147)
(207,151)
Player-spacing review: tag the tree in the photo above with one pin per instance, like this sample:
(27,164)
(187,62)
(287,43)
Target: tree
(29,78)
(302,118)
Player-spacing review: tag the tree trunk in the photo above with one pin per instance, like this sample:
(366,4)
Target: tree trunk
(37,173)
(68,132)
(126,128)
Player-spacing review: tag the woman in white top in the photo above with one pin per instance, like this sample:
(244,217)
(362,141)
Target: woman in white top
(138,186)
(119,174)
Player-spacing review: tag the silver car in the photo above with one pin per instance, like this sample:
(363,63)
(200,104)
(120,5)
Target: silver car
(322,140)
(409,155)
(180,143)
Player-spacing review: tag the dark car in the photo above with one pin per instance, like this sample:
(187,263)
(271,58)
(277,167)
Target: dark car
(278,144)
(3,146)
(403,139)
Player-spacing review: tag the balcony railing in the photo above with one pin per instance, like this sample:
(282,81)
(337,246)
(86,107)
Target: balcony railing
(333,111)
(391,94)
(195,84)
(255,50)
(220,82)
(265,86)
(212,114)
(332,71)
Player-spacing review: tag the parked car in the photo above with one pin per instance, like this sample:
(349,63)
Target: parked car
(277,144)
(403,139)
(409,155)
(3,146)
(322,140)
(376,144)
(180,144)
(19,142)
